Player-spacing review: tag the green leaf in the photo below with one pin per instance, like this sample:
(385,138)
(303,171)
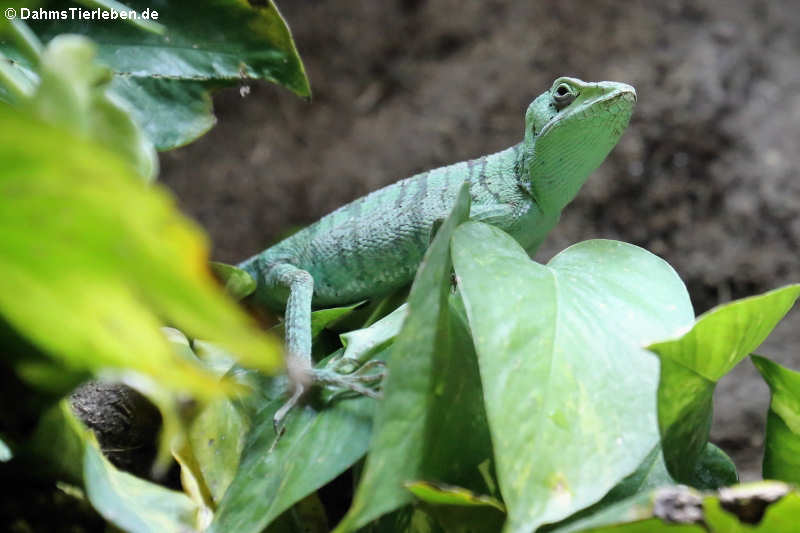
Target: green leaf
(320,320)
(692,363)
(431,375)
(320,443)
(166,76)
(362,344)
(171,112)
(72,94)
(238,283)
(441,494)
(57,445)
(217,438)
(306,516)
(92,261)
(133,504)
(457,509)
(714,469)
(70,452)
(569,391)
(782,443)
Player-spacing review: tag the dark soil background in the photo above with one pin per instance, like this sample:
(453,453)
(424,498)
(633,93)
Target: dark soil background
(705,177)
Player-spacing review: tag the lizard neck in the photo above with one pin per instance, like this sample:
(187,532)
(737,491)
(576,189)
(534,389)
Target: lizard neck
(521,171)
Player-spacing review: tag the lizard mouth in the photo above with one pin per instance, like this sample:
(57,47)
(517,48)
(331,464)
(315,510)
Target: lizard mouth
(618,102)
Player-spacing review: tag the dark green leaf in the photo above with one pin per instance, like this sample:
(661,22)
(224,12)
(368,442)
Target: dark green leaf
(569,391)
(318,445)
(714,467)
(431,376)
(782,443)
(166,76)
(692,363)
(58,443)
(320,320)
(171,112)
(459,510)
(306,516)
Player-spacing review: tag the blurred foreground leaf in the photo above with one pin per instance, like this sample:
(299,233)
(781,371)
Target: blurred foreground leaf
(72,94)
(691,365)
(92,261)
(237,282)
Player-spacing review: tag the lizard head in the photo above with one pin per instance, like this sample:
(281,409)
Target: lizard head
(569,131)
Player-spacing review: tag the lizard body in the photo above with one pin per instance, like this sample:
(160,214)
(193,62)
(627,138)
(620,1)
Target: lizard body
(374,244)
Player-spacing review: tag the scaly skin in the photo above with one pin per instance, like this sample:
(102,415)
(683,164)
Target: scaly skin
(374,244)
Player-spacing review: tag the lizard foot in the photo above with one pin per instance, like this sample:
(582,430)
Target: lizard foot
(364,380)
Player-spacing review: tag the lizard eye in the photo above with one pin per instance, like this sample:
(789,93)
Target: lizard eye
(563,95)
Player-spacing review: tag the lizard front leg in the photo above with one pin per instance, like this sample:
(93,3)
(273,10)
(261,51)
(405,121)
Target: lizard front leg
(298,330)
(297,324)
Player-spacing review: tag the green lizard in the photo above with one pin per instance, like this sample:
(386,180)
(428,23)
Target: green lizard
(374,244)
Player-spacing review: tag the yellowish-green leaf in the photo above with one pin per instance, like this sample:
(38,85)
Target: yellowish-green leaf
(93,262)
(442,494)
(72,94)
(237,282)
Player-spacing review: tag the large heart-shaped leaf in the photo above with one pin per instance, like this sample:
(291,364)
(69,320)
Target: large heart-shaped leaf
(570,393)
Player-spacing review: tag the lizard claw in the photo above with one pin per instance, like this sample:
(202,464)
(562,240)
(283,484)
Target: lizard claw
(361,381)
(279,419)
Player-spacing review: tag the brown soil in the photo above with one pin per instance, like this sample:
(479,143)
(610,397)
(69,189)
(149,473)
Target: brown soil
(706,176)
